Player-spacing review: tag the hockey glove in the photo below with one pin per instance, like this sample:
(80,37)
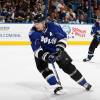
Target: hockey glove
(58,54)
(59,49)
(50,58)
(45,56)
(60,46)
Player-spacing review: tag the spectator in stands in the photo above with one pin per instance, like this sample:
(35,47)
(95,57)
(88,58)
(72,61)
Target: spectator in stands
(59,10)
(97,12)
(81,19)
(2,20)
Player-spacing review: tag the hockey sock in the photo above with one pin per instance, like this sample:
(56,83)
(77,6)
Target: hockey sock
(49,76)
(51,79)
(77,76)
(90,55)
(83,83)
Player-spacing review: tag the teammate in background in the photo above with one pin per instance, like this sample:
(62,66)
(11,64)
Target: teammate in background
(48,44)
(95,42)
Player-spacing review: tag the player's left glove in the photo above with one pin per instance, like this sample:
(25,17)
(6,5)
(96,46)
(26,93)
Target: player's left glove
(59,50)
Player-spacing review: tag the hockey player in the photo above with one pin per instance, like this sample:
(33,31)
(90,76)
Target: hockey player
(95,42)
(48,44)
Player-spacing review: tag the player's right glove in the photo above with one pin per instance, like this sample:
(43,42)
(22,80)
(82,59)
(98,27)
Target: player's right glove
(48,57)
(45,56)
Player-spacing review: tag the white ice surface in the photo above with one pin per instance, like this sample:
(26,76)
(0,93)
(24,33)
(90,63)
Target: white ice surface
(20,80)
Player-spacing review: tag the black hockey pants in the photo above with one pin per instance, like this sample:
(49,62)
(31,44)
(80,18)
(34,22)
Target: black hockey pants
(94,44)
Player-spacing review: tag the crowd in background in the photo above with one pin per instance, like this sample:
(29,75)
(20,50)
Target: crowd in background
(64,11)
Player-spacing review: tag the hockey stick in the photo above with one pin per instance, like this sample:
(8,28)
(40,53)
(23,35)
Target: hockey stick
(58,79)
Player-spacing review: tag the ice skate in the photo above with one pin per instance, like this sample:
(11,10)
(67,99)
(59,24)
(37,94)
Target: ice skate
(58,89)
(87,86)
(88,58)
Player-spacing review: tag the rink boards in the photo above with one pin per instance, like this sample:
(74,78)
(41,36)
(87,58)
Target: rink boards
(17,34)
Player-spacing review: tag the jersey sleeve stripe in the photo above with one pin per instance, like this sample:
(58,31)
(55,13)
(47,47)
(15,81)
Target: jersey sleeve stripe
(44,55)
(36,52)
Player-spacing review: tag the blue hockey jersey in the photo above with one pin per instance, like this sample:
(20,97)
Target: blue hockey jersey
(47,39)
(95,28)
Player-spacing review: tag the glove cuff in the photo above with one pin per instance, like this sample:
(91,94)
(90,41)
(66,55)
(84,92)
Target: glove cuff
(45,56)
(61,45)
